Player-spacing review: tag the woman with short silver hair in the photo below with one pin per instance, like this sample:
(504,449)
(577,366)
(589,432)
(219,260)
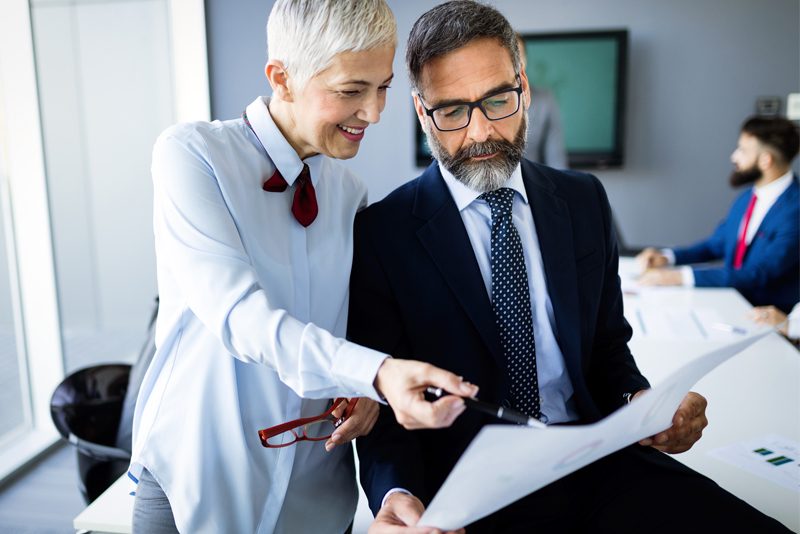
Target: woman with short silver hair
(253,223)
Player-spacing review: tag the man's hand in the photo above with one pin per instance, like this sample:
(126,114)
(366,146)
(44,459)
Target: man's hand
(650,258)
(661,277)
(359,423)
(400,514)
(403,383)
(769,315)
(687,426)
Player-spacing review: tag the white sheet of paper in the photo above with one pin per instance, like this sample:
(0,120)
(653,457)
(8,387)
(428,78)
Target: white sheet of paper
(504,463)
(695,324)
(772,457)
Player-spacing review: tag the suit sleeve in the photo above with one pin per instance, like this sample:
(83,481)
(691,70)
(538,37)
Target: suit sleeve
(764,265)
(613,371)
(709,249)
(390,456)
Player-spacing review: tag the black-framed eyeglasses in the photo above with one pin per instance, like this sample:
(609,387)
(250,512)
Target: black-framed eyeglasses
(496,106)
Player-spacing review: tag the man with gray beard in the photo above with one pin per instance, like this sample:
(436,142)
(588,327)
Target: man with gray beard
(504,271)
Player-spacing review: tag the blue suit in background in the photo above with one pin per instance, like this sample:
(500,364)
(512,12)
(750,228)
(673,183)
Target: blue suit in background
(770,272)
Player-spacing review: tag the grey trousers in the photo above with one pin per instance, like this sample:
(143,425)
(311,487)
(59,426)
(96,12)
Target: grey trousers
(152,513)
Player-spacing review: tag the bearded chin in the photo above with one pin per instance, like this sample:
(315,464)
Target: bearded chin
(485,175)
(745,177)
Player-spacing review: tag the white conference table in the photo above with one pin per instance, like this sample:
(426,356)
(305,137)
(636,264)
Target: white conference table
(755,393)
(751,395)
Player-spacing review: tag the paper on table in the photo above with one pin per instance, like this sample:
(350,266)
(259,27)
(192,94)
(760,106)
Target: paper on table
(690,324)
(772,457)
(504,463)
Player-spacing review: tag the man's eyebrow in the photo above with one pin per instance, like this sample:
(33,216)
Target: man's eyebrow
(363,82)
(452,101)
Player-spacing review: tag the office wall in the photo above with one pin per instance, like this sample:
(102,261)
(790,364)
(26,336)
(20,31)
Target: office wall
(696,68)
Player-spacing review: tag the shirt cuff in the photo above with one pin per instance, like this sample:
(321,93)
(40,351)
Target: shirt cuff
(687,276)
(669,254)
(794,328)
(355,368)
(393,490)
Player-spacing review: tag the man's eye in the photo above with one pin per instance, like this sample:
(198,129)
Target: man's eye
(349,93)
(453,113)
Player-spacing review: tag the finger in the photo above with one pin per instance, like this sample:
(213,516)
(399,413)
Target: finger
(448,382)
(439,414)
(340,408)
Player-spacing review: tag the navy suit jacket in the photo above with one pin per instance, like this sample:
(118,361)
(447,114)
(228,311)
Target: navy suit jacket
(770,272)
(417,292)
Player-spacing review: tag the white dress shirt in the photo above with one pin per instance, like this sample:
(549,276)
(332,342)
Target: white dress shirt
(794,323)
(555,387)
(253,309)
(766,196)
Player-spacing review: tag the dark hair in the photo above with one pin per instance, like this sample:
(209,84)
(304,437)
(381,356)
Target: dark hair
(779,134)
(452,25)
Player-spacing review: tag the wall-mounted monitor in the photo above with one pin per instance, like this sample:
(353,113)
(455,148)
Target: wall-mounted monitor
(586,72)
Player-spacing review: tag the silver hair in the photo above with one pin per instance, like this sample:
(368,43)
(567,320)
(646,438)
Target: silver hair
(306,35)
(453,25)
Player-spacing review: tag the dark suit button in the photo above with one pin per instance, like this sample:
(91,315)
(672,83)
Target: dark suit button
(506,404)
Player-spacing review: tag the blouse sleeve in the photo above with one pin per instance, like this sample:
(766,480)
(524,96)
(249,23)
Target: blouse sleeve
(197,238)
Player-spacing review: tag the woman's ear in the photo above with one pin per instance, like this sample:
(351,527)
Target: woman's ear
(278,79)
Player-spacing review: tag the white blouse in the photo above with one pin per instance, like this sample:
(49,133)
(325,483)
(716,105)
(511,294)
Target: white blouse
(253,312)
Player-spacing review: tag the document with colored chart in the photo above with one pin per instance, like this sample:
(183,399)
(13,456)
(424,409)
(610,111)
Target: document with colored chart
(504,463)
(772,457)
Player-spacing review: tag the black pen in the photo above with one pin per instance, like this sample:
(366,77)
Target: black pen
(497,411)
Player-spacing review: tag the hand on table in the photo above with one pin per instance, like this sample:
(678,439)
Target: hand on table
(650,258)
(687,426)
(770,315)
(359,423)
(400,514)
(403,384)
(660,277)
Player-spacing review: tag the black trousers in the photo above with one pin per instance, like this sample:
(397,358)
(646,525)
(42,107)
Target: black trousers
(635,490)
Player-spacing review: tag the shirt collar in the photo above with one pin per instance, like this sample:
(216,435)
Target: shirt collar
(773,190)
(278,149)
(464,196)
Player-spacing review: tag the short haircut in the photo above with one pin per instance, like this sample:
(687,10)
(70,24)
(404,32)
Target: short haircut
(779,134)
(450,26)
(306,35)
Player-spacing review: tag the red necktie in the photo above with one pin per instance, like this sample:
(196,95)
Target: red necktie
(741,245)
(304,205)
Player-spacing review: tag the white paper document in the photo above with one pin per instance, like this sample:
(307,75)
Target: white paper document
(690,324)
(772,457)
(504,463)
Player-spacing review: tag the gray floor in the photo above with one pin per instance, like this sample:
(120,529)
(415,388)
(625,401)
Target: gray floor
(45,499)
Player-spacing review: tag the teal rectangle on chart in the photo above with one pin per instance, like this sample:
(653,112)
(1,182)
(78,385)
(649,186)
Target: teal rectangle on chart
(780,460)
(763,452)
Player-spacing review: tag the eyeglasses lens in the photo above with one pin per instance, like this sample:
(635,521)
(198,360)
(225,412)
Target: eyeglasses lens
(495,107)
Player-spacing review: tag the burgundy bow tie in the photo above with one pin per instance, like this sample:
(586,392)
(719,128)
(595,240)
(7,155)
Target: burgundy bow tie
(304,205)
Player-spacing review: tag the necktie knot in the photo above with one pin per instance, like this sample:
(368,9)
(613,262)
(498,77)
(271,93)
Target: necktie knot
(501,201)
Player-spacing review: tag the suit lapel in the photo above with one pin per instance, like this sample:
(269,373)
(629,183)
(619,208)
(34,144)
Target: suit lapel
(554,230)
(787,198)
(445,239)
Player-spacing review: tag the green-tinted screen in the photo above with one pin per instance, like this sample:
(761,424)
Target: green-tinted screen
(582,74)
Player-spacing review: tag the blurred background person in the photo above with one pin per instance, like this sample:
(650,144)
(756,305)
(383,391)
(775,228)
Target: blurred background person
(545,136)
(759,241)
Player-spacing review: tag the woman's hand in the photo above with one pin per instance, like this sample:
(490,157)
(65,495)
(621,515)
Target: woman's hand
(403,384)
(359,423)
(769,315)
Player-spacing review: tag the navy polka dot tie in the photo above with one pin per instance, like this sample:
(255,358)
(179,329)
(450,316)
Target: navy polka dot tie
(512,303)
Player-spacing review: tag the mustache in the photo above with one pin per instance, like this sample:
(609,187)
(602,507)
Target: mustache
(484,148)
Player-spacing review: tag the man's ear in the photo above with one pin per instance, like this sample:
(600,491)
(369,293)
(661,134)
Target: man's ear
(419,109)
(765,160)
(278,80)
(526,88)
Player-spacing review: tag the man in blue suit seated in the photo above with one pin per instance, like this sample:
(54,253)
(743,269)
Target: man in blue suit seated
(504,271)
(760,240)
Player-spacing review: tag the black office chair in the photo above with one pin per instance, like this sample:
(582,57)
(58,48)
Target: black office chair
(93,410)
